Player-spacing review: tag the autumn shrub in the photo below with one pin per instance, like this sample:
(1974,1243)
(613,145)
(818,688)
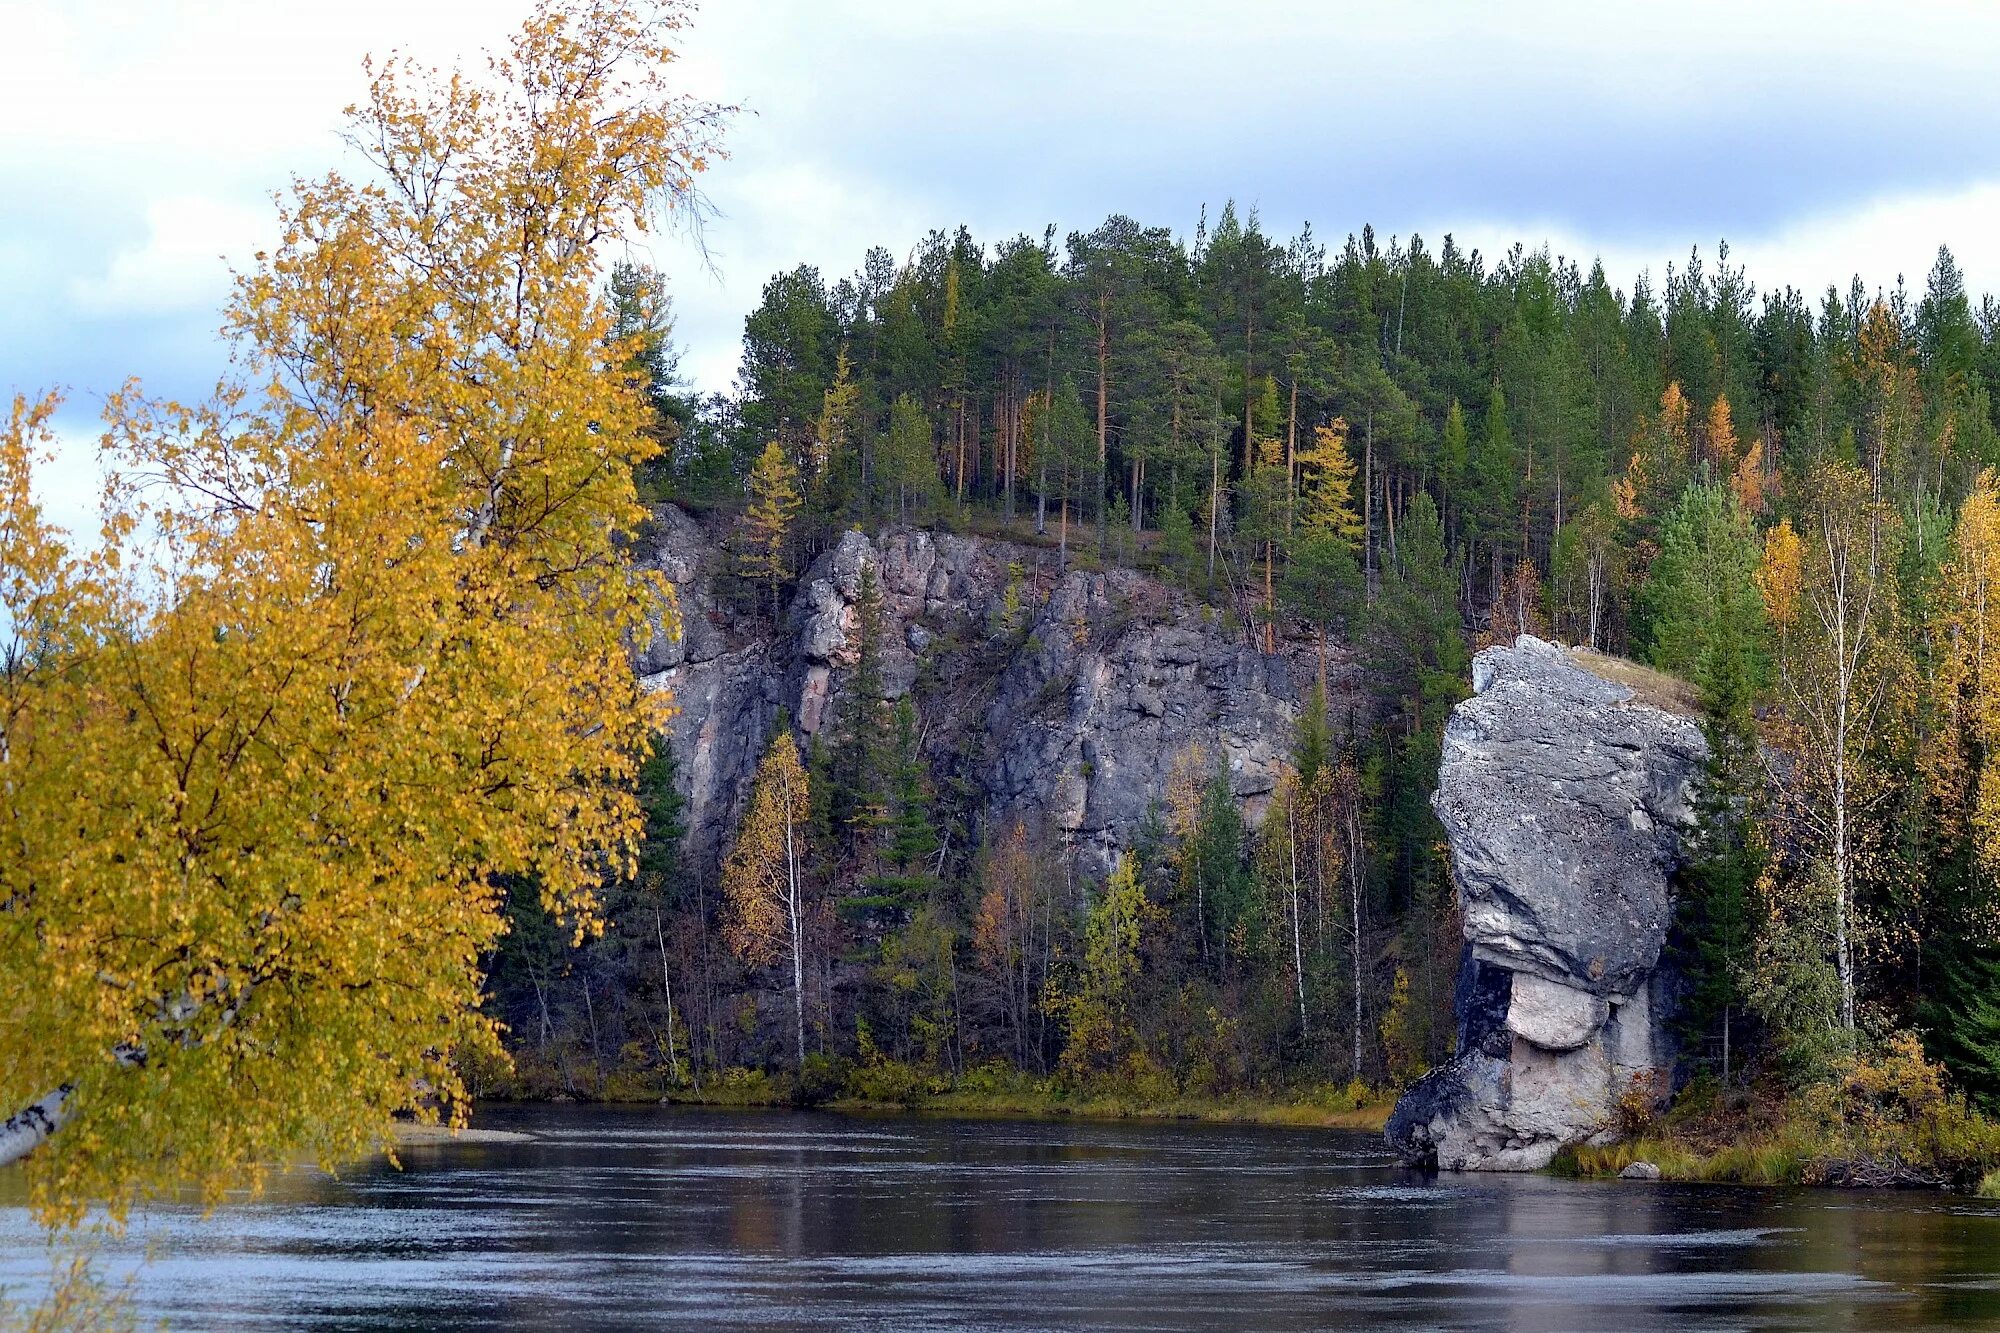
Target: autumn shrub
(1881,1116)
(1639,1105)
(821,1078)
(889,1082)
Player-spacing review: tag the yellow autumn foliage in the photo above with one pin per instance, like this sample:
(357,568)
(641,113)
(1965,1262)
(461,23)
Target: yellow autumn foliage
(351,654)
(1328,476)
(1779,573)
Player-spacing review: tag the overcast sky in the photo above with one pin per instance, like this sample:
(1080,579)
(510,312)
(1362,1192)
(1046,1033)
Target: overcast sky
(143,138)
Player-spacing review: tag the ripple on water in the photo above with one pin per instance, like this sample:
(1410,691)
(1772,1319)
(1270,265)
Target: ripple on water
(635,1219)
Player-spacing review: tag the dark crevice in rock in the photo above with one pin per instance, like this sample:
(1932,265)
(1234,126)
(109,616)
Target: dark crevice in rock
(1563,799)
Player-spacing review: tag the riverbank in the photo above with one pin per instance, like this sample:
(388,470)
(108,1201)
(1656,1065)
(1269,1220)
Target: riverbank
(992,1092)
(1368,1115)
(1884,1123)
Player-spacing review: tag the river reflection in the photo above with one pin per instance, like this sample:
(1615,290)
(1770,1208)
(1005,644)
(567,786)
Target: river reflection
(639,1218)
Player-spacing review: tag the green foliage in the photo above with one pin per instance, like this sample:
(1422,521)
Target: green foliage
(1511,420)
(860,763)
(663,807)
(1793,986)
(913,839)
(1703,616)
(1097,1005)
(643,323)
(1963,1017)
(1177,544)
(907,463)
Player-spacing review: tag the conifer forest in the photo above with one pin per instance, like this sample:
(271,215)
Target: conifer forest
(1783,500)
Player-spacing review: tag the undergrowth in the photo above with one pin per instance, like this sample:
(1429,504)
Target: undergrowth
(1881,1119)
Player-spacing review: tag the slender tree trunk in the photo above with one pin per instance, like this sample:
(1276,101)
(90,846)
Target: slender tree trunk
(1103,404)
(961,450)
(1842,870)
(1354,919)
(1390,493)
(1298,944)
(1725,1045)
(1013,460)
(33,1125)
(1292,446)
(1249,393)
(1368,505)
(667,983)
(792,910)
(590,1015)
(1214,501)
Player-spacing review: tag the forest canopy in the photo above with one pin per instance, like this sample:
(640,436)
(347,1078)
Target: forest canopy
(1415,449)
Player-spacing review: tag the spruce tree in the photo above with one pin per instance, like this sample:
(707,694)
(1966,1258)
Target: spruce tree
(860,804)
(912,839)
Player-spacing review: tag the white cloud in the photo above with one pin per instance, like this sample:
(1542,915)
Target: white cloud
(143,138)
(1880,240)
(183,264)
(69,484)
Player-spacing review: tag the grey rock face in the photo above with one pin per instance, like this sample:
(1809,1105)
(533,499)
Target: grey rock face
(1069,717)
(1107,691)
(1564,799)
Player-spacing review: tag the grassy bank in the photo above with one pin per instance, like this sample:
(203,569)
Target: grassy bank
(1882,1122)
(986,1091)
(1305,1109)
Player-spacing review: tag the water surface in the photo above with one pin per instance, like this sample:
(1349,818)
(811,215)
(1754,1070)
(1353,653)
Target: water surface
(641,1218)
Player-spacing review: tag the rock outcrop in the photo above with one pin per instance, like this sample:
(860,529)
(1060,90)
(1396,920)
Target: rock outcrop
(1058,698)
(1564,795)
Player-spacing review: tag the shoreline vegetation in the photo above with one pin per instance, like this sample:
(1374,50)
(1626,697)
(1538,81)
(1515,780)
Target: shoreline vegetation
(993,1092)
(1750,1138)
(1882,1122)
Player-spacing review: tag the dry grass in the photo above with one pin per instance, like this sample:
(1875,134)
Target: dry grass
(1648,686)
(1212,1110)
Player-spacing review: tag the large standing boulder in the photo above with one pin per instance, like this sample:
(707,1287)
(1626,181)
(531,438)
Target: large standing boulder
(1566,786)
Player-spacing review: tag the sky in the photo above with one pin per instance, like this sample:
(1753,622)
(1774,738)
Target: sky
(144,139)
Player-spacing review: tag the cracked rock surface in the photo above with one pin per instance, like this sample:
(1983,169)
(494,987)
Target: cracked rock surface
(1564,799)
(1068,717)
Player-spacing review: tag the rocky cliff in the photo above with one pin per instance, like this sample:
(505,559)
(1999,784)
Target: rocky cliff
(1066,711)
(1565,788)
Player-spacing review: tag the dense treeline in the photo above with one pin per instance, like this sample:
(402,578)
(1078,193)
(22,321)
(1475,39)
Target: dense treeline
(1782,500)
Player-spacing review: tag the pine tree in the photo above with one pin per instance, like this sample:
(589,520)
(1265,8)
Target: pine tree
(642,326)
(664,809)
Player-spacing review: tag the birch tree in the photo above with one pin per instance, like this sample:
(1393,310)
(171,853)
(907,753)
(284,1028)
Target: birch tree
(1826,589)
(764,879)
(350,657)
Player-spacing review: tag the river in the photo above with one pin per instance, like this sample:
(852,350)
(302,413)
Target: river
(626,1218)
